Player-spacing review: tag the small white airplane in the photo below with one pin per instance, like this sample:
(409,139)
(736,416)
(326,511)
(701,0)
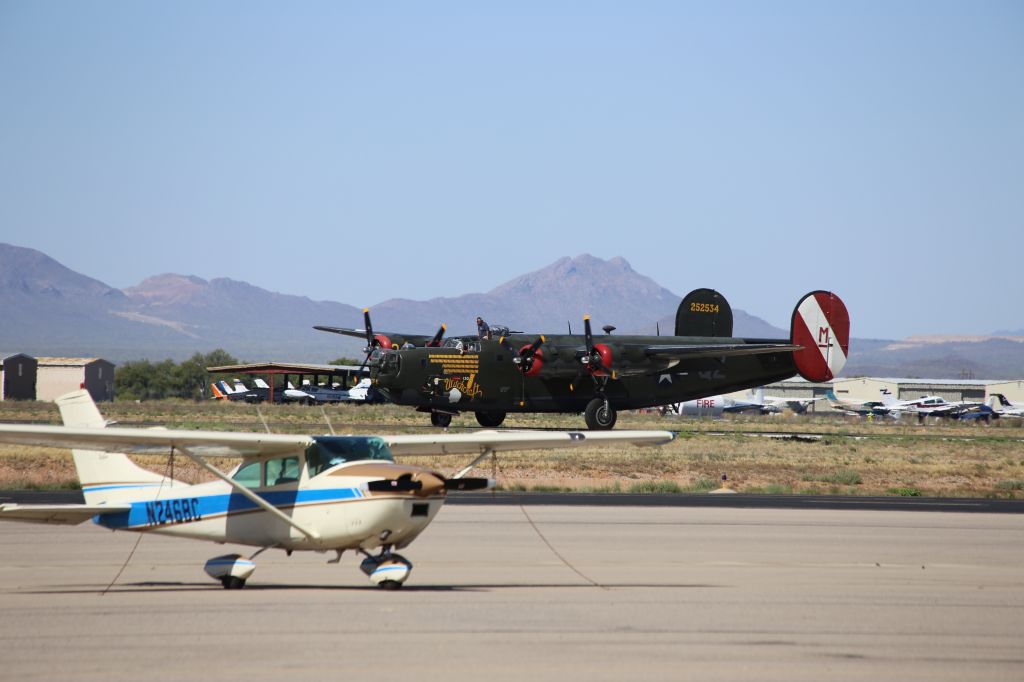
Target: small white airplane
(1004,407)
(861,408)
(290,492)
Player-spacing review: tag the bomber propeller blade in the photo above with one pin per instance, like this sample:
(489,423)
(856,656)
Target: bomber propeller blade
(436,341)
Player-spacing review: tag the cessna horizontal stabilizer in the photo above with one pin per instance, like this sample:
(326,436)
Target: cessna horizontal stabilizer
(65,514)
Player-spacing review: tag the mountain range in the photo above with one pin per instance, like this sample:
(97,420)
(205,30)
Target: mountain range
(51,310)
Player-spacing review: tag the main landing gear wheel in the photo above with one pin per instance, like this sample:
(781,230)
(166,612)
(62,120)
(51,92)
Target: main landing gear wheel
(600,415)
(490,419)
(441,419)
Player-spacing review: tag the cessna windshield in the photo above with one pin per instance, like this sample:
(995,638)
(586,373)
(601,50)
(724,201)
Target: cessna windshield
(329,451)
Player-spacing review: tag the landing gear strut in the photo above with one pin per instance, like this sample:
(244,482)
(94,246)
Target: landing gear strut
(441,419)
(600,415)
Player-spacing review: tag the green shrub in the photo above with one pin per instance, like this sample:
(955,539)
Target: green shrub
(905,491)
(843,477)
(1015,484)
(655,487)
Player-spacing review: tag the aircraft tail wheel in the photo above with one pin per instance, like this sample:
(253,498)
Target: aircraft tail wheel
(440,419)
(600,415)
(387,572)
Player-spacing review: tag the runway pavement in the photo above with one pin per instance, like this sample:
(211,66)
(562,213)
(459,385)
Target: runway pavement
(539,593)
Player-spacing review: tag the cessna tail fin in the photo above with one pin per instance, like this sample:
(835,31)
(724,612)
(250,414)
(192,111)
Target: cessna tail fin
(105,476)
(821,325)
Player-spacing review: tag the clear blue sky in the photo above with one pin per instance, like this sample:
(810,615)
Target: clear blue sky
(362,151)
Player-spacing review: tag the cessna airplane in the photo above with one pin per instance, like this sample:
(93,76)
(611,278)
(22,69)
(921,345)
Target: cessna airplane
(290,492)
(601,375)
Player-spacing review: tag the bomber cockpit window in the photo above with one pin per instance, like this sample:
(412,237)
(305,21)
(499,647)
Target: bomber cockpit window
(329,451)
(390,363)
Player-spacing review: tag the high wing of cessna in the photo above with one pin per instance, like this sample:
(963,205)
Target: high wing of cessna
(290,492)
(599,375)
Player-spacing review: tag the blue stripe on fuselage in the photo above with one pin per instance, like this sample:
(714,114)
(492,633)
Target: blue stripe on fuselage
(163,512)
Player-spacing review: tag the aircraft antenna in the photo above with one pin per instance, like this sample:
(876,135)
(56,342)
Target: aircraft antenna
(498,471)
(170,476)
(262,418)
(328,420)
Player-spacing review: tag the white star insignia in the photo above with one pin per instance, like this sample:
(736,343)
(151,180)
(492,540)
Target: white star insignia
(665,377)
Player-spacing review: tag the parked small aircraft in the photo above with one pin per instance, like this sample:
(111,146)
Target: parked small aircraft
(601,375)
(290,492)
(1003,407)
(222,391)
(862,408)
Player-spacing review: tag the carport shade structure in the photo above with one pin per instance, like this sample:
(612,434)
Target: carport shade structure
(272,369)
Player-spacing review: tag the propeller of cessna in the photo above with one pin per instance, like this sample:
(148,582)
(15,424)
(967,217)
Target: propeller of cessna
(572,373)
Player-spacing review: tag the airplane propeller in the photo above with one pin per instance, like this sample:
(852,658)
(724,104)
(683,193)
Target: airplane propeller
(405,484)
(373,341)
(436,341)
(530,358)
(597,357)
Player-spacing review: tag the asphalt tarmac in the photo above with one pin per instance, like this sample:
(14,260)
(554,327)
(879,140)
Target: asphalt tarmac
(537,592)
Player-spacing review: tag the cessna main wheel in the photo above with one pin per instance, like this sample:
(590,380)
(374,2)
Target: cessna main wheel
(490,419)
(442,419)
(600,415)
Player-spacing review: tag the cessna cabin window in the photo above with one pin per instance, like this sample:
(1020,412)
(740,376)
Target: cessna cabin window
(249,475)
(283,470)
(271,472)
(330,451)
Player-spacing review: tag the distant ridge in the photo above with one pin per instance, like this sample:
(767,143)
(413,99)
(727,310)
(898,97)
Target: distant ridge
(51,310)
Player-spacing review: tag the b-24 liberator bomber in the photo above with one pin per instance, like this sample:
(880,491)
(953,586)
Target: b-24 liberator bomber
(599,375)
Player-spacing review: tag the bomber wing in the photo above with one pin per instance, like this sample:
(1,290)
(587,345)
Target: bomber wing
(135,440)
(690,351)
(65,514)
(397,337)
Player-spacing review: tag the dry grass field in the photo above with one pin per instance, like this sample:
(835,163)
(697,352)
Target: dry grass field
(780,454)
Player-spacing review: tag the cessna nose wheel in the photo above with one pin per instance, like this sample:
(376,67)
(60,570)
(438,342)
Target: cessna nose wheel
(600,415)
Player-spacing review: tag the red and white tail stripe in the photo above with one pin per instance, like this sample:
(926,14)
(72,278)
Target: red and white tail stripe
(821,324)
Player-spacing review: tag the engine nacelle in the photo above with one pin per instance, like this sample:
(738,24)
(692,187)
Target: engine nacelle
(535,363)
(605,368)
(384,342)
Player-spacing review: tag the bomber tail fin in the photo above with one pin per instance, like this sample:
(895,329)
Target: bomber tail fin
(704,312)
(821,324)
(105,476)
